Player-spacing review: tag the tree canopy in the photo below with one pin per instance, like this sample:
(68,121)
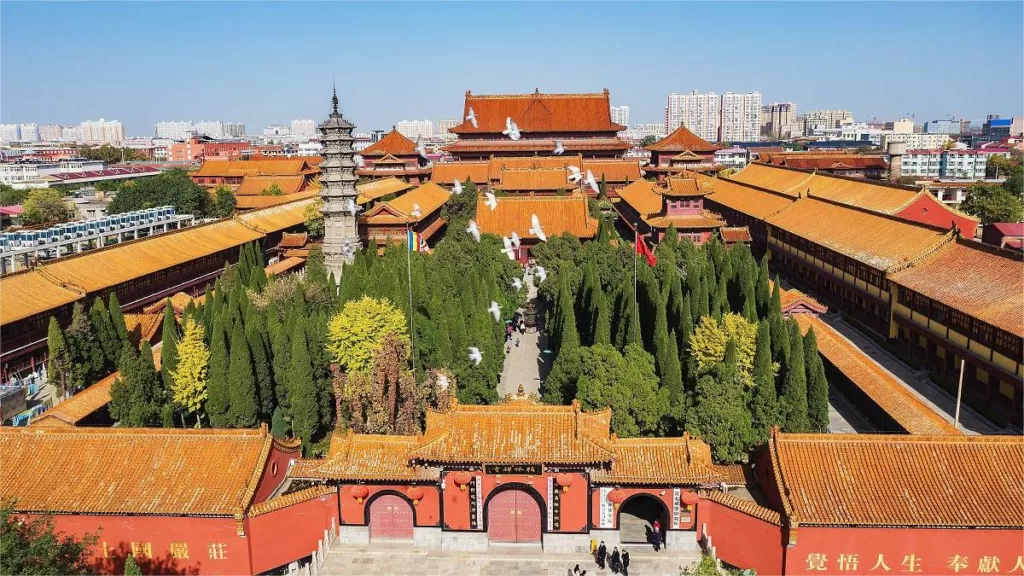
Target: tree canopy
(32,546)
(44,206)
(994,203)
(172,188)
(359,330)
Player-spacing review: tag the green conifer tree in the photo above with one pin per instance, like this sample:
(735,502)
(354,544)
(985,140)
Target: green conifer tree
(261,366)
(762,292)
(169,347)
(60,370)
(86,353)
(278,425)
(721,417)
(106,335)
(243,404)
(218,395)
(117,318)
(794,388)
(131,568)
(602,319)
(302,395)
(817,385)
(764,405)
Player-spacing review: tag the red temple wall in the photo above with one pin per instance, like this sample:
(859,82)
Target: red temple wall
(273,473)
(285,535)
(573,503)
(426,513)
(662,494)
(212,545)
(928,210)
(740,539)
(903,550)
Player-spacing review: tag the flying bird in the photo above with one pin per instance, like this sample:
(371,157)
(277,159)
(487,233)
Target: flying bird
(473,231)
(517,284)
(541,273)
(416,211)
(508,249)
(574,174)
(558,147)
(352,207)
(511,130)
(490,201)
(515,240)
(359,161)
(442,382)
(536,230)
(458,187)
(592,183)
(495,311)
(471,117)
(420,149)
(475,356)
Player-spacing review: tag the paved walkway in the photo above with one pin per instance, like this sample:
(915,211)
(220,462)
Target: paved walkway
(526,364)
(843,416)
(916,381)
(403,559)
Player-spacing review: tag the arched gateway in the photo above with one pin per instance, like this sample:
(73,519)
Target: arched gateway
(391,518)
(513,516)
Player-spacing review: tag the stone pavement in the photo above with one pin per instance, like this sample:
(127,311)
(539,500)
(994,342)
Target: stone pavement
(917,382)
(844,418)
(526,364)
(401,559)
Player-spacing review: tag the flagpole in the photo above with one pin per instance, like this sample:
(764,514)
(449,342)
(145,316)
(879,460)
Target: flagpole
(412,329)
(636,247)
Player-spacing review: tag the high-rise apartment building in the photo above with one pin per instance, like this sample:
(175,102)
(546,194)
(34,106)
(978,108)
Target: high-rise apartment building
(50,132)
(415,128)
(778,120)
(443,126)
(102,131)
(8,133)
(620,115)
(174,130)
(901,126)
(211,128)
(71,133)
(234,130)
(815,121)
(942,126)
(303,129)
(29,133)
(741,117)
(700,113)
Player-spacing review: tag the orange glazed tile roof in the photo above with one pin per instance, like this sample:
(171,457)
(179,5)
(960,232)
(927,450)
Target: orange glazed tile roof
(873,239)
(255,185)
(792,298)
(276,218)
(293,240)
(755,203)
(375,189)
(497,164)
(614,171)
(682,460)
(446,173)
(143,326)
(258,202)
(31,292)
(539,113)
(557,214)
(850,162)
(430,197)
(748,507)
(538,145)
(518,431)
(875,382)
(688,222)
(393,143)
(164,471)
(683,187)
(365,457)
(179,301)
(74,409)
(642,196)
(262,167)
(731,235)
(284,265)
(291,499)
(900,480)
(682,139)
(965,276)
(540,179)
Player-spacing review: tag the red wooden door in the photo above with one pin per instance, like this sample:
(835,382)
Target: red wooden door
(390,517)
(513,516)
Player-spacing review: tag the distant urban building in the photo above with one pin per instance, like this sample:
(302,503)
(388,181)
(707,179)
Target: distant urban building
(276,131)
(211,128)
(102,132)
(415,128)
(741,117)
(71,133)
(732,157)
(916,141)
(620,115)
(376,135)
(310,148)
(1017,126)
(8,133)
(996,127)
(938,163)
(943,127)
(50,132)
(20,175)
(234,130)
(778,120)
(700,113)
(303,129)
(901,126)
(29,133)
(443,126)
(361,140)
(816,121)
(174,130)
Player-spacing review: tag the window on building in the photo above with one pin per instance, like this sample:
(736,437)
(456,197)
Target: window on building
(1008,345)
(938,312)
(983,333)
(960,322)
(905,298)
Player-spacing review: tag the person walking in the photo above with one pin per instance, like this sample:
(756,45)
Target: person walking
(625,563)
(616,558)
(657,536)
(576,570)
(602,553)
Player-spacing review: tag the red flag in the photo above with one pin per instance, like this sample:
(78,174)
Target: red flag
(643,250)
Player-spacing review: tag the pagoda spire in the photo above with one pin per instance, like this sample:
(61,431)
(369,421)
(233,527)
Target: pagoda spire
(334,96)
(338,190)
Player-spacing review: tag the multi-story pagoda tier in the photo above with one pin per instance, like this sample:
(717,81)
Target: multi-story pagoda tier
(338,190)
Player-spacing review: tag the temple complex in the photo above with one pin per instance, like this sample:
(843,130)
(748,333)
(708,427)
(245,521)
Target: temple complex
(650,209)
(415,215)
(557,214)
(681,151)
(394,155)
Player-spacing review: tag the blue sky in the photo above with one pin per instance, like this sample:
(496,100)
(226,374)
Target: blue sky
(268,62)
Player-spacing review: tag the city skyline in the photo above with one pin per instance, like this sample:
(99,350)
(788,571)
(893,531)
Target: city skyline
(829,76)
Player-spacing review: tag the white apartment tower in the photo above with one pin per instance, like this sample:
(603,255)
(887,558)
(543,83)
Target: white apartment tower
(102,132)
(234,129)
(29,133)
(8,133)
(620,115)
(444,126)
(414,129)
(778,120)
(700,113)
(212,128)
(173,130)
(303,129)
(741,117)
(50,132)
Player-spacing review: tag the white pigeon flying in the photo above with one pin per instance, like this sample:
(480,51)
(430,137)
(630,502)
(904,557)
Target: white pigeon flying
(458,187)
(540,272)
(508,249)
(592,183)
(490,201)
(442,382)
(471,117)
(352,207)
(359,161)
(517,284)
(473,231)
(420,149)
(475,356)
(495,311)
(416,211)
(574,174)
(558,147)
(536,230)
(511,130)
(515,240)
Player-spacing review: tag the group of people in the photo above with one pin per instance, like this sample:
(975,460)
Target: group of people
(619,563)
(517,325)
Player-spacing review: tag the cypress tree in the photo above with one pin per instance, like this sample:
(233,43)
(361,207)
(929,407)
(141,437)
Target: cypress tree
(122,391)
(60,370)
(261,367)
(117,318)
(775,305)
(105,333)
(567,336)
(764,406)
(243,405)
(721,417)
(304,408)
(86,354)
(703,303)
(278,425)
(794,387)
(131,568)
(602,319)
(168,347)
(817,385)
(218,396)
(761,291)
(685,329)
(281,362)
(660,348)
(149,400)
(672,376)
